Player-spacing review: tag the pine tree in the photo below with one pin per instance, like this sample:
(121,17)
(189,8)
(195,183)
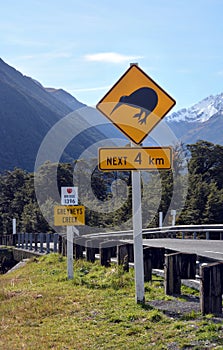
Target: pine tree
(213,209)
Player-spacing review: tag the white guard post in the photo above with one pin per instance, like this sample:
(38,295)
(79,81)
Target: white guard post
(173,213)
(160,219)
(137,236)
(14,226)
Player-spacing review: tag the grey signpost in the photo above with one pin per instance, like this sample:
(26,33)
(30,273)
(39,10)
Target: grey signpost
(137,236)
(70,259)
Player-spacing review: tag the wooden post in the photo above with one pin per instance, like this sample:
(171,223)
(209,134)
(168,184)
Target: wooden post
(30,241)
(172,281)
(55,242)
(41,235)
(15,239)
(188,265)
(178,266)
(19,239)
(9,240)
(78,248)
(123,256)
(105,249)
(26,240)
(36,241)
(147,260)
(60,243)
(47,243)
(131,252)
(22,240)
(158,254)
(211,288)
(64,245)
(90,251)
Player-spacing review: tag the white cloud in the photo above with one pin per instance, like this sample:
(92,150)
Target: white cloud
(46,55)
(90,89)
(110,57)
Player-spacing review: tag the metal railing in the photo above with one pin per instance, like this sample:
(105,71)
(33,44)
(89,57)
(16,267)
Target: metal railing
(179,231)
(46,242)
(38,242)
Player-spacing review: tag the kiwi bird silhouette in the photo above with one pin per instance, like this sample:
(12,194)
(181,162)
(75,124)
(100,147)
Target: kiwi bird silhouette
(144,98)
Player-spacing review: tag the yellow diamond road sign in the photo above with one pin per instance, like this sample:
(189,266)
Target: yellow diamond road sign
(137,158)
(136,104)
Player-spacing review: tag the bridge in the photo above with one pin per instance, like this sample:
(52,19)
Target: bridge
(205,240)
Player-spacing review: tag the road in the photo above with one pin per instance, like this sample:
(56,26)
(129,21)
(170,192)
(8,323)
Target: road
(206,248)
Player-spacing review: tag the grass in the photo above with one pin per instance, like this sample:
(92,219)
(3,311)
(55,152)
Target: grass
(41,309)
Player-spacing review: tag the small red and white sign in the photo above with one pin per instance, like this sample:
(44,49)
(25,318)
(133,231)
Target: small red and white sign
(69,195)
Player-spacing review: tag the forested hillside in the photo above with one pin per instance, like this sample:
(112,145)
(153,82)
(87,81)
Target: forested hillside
(28,111)
(203,203)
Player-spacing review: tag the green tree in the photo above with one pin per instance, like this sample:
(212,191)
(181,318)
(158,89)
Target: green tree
(207,161)
(13,197)
(205,184)
(198,192)
(213,208)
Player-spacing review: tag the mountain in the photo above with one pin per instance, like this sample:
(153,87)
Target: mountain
(66,98)
(202,121)
(27,112)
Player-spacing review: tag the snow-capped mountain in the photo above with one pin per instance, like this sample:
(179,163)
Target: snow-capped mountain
(202,121)
(201,111)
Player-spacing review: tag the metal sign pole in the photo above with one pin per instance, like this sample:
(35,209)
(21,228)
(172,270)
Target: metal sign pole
(137,236)
(70,257)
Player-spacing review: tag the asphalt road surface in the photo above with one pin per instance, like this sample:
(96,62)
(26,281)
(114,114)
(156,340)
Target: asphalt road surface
(206,248)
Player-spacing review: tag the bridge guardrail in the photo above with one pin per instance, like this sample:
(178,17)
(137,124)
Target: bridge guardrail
(43,241)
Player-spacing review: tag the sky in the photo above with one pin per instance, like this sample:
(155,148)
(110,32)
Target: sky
(85,46)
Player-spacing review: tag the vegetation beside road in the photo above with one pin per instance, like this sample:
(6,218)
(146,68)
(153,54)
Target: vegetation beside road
(41,309)
(203,186)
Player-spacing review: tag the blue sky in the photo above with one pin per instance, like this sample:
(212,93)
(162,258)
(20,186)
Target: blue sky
(85,46)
